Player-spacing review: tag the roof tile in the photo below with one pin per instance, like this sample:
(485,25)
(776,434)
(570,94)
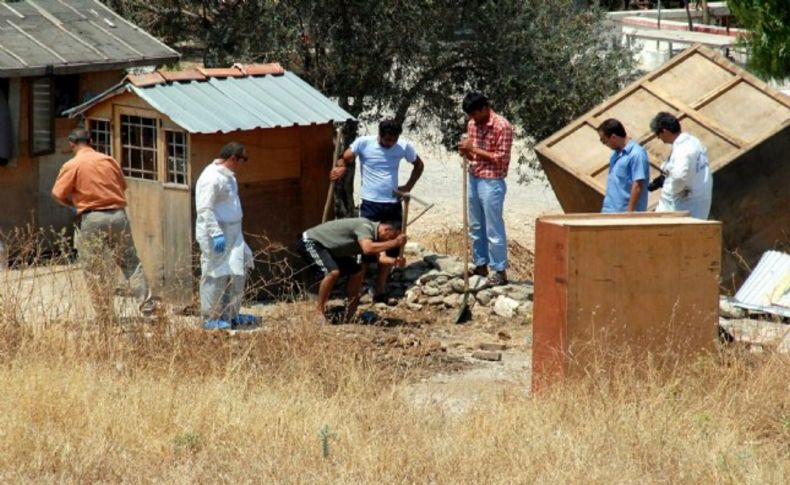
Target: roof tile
(147,79)
(273,68)
(187,75)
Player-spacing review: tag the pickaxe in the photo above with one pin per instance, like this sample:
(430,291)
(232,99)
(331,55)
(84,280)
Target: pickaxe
(407,196)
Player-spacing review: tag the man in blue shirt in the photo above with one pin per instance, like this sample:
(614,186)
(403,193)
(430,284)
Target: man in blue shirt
(629,170)
(379,159)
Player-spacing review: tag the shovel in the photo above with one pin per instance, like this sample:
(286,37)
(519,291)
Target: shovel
(337,152)
(465,310)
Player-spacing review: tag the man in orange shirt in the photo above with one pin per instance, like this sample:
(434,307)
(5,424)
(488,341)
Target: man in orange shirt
(92,184)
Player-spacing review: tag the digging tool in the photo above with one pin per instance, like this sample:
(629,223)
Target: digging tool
(408,195)
(335,155)
(465,310)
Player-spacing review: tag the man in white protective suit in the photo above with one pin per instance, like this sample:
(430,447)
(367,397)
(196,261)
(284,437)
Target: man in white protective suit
(687,179)
(224,256)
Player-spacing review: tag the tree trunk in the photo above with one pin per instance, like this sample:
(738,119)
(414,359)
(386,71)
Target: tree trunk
(688,15)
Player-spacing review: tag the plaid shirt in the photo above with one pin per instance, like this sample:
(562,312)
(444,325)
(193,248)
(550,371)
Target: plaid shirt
(495,137)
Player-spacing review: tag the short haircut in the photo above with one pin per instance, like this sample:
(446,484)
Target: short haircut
(80,136)
(392,223)
(612,127)
(232,149)
(390,127)
(474,102)
(665,121)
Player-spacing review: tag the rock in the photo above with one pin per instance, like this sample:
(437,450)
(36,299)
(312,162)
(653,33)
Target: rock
(442,279)
(391,301)
(366,298)
(476,283)
(430,290)
(412,295)
(524,308)
(505,306)
(484,297)
(413,249)
(486,355)
(414,306)
(446,264)
(755,332)
(429,277)
(436,300)
(728,310)
(457,285)
(451,301)
(520,293)
(380,306)
(503,335)
(492,347)
(499,290)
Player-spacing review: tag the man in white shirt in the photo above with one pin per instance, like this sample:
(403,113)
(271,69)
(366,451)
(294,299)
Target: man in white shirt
(688,182)
(224,256)
(379,159)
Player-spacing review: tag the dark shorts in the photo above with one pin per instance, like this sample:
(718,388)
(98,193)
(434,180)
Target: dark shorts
(379,212)
(316,255)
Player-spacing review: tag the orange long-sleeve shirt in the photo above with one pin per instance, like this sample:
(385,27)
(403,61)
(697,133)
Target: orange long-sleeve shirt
(90,181)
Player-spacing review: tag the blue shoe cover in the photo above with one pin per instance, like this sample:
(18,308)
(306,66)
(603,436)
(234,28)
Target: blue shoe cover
(216,325)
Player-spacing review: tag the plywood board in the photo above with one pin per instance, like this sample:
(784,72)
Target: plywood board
(692,79)
(635,111)
(582,149)
(756,114)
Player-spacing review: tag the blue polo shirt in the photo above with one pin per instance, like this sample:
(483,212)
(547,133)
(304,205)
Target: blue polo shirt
(625,168)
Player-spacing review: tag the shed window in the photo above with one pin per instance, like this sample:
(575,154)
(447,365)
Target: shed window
(138,147)
(101,135)
(42,121)
(176,157)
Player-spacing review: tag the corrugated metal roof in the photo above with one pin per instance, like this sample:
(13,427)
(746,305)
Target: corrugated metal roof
(768,287)
(39,37)
(241,103)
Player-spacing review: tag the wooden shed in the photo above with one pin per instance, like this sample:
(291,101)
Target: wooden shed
(165,127)
(744,123)
(55,54)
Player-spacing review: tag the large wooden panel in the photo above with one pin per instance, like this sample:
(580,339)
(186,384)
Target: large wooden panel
(144,199)
(177,247)
(273,211)
(693,78)
(757,114)
(604,282)
(317,149)
(635,112)
(582,149)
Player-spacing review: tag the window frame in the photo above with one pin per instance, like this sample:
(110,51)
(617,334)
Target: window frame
(110,133)
(167,130)
(128,169)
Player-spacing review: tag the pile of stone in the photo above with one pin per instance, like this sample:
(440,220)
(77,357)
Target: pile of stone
(758,334)
(434,280)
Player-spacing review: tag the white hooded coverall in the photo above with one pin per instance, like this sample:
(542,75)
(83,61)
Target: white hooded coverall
(222,275)
(689,184)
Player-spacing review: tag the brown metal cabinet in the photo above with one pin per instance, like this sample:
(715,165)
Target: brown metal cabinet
(645,282)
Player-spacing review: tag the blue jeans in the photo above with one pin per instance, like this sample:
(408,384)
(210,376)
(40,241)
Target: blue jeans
(486,198)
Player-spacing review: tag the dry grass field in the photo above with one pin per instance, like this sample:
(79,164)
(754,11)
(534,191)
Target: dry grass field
(161,401)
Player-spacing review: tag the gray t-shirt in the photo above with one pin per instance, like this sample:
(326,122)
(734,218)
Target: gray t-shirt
(341,237)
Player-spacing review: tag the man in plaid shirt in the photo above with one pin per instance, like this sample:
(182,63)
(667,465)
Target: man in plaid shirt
(487,147)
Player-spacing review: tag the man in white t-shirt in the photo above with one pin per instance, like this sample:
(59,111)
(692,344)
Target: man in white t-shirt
(688,182)
(379,159)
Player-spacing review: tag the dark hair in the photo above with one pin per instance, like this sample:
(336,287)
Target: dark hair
(612,127)
(474,102)
(392,223)
(80,136)
(390,127)
(232,149)
(665,121)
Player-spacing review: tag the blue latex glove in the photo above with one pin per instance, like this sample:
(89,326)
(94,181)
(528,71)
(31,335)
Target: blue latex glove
(219,243)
